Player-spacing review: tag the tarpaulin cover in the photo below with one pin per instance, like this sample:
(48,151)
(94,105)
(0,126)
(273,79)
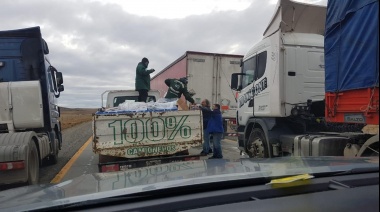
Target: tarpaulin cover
(351,44)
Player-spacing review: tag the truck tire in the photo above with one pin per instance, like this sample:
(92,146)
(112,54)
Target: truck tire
(53,157)
(257,145)
(370,147)
(60,140)
(33,164)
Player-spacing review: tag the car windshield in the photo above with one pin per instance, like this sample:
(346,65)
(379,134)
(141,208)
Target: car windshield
(108,102)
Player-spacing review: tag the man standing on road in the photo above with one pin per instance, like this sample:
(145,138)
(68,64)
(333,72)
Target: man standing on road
(177,87)
(205,105)
(215,127)
(142,80)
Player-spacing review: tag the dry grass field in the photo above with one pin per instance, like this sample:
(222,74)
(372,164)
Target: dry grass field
(73,116)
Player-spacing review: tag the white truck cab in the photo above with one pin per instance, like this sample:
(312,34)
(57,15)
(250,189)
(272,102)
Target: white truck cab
(283,70)
(281,75)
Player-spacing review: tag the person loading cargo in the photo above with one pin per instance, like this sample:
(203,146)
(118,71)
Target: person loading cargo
(142,81)
(177,87)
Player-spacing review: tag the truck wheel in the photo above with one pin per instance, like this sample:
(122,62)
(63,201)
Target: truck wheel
(370,147)
(59,136)
(53,157)
(33,164)
(256,146)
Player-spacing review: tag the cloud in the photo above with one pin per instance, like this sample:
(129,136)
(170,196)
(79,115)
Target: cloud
(97,46)
(173,9)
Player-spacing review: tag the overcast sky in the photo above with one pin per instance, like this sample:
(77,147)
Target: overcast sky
(97,44)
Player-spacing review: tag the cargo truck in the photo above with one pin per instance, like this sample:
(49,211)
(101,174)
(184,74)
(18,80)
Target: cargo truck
(209,77)
(30,131)
(311,85)
(131,138)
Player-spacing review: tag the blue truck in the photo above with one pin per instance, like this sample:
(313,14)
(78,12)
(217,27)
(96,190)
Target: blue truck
(30,131)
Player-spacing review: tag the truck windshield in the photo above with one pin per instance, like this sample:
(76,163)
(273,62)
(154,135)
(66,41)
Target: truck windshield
(249,67)
(120,99)
(254,68)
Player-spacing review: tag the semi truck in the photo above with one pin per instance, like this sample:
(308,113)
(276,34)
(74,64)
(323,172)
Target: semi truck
(310,86)
(209,77)
(30,130)
(143,134)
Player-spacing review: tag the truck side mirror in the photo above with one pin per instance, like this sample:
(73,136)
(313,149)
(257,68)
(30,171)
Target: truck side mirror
(61,88)
(59,78)
(45,47)
(235,81)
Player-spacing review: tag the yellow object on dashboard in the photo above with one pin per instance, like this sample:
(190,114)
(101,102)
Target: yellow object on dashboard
(291,181)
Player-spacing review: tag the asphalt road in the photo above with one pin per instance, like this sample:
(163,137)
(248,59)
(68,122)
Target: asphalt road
(73,139)
(85,161)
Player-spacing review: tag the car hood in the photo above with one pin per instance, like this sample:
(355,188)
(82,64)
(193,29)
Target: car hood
(103,185)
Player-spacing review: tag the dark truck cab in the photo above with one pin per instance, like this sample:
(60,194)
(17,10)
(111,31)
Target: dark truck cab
(30,131)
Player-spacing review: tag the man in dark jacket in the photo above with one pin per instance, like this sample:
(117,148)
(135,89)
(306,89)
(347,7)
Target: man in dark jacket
(205,106)
(215,127)
(177,87)
(142,82)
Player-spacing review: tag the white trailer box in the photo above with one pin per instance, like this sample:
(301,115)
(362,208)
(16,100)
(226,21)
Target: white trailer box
(209,76)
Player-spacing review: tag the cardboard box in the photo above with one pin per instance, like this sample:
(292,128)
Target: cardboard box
(182,105)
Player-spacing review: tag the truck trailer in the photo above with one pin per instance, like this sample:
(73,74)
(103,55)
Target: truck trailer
(209,77)
(30,131)
(311,85)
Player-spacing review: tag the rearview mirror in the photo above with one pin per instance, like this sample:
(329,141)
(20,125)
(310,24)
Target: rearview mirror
(59,78)
(61,88)
(45,47)
(235,81)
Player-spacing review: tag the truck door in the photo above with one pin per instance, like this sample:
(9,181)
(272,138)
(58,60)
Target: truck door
(246,95)
(303,74)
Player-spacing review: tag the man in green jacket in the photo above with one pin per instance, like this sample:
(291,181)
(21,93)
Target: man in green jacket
(177,87)
(142,80)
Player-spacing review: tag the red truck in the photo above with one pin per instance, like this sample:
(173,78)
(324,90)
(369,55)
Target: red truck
(352,65)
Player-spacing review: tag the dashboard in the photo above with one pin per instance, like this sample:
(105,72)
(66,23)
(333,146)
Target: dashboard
(353,192)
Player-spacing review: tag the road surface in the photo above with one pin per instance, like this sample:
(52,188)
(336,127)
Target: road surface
(76,157)
(86,162)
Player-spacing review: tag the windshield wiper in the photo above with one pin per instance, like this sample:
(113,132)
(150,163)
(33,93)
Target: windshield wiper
(358,171)
(336,185)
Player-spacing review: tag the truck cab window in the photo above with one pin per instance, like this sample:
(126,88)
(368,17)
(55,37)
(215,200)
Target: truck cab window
(249,67)
(261,64)
(248,78)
